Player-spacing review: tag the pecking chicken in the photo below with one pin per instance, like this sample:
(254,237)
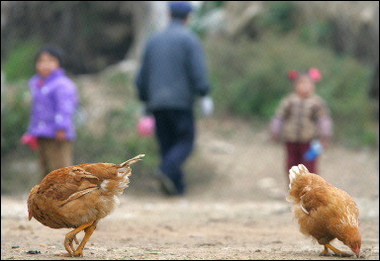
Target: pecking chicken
(323,211)
(78,197)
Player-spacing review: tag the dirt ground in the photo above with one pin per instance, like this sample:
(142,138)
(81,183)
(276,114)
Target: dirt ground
(234,209)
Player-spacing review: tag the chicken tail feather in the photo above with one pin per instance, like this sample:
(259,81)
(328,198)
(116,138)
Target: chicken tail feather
(133,160)
(296,171)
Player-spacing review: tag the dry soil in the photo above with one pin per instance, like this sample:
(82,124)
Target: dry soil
(235,207)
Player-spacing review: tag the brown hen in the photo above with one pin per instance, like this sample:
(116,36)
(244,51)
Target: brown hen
(78,197)
(323,211)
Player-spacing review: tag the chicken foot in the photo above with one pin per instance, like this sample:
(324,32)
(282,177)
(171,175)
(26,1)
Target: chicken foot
(338,252)
(88,232)
(71,236)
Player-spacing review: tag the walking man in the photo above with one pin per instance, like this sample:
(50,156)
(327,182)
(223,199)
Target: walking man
(172,74)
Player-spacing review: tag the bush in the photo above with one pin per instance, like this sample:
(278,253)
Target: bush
(15,97)
(249,79)
(20,61)
(15,103)
(281,16)
(118,140)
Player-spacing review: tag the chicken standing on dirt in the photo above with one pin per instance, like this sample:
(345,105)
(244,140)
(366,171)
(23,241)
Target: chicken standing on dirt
(77,197)
(324,211)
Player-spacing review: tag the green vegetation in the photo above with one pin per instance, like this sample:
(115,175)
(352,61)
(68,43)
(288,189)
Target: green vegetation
(20,61)
(281,17)
(248,79)
(249,75)
(15,96)
(117,139)
(15,105)
(119,142)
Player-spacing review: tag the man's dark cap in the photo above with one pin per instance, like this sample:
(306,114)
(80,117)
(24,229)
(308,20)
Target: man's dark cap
(180,9)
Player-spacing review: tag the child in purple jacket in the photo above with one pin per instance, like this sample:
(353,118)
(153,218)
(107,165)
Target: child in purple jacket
(51,128)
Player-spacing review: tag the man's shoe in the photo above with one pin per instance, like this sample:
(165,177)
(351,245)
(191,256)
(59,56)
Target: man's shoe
(166,183)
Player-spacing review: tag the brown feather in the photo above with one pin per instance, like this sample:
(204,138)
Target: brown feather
(77,195)
(323,211)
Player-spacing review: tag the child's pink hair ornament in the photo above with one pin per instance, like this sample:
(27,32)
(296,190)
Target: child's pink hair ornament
(313,73)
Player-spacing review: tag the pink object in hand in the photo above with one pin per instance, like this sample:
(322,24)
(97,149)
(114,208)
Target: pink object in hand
(30,140)
(146,126)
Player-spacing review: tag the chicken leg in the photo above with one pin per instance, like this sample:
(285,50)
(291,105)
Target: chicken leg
(68,243)
(88,232)
(77,197)
(338,252)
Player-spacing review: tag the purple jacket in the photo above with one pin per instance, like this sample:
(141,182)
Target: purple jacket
(54,103)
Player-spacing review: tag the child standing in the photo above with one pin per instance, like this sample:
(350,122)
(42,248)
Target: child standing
(302,117)
(54,102)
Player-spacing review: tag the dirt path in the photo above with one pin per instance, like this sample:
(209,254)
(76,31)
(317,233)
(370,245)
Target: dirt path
(235,208)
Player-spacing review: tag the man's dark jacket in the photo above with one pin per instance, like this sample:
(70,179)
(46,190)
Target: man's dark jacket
(173,70)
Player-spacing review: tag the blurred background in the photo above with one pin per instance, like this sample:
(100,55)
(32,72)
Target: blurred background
(250,47)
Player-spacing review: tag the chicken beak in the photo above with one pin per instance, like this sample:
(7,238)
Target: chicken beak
(357,252)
